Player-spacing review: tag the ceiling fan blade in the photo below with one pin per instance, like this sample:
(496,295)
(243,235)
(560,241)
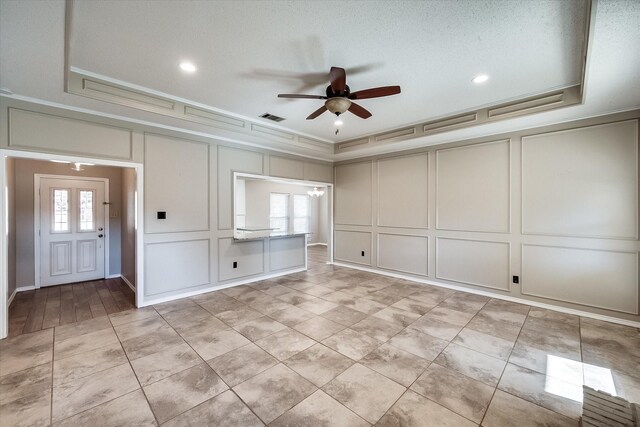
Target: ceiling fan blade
(375,92)
(359,111)
(299,96)
(317,113)
(338,79)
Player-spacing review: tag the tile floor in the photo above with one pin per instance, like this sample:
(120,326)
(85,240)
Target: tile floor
(327,347)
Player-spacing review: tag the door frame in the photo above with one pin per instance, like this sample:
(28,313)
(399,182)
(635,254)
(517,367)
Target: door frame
(329,195)
(4,220)
(36,220)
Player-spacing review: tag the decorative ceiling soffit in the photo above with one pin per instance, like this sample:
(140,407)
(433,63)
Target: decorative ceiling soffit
(546,101)
(87,84)
(521,107)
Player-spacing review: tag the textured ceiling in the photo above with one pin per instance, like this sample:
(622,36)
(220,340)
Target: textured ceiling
(32,60)
(247,52)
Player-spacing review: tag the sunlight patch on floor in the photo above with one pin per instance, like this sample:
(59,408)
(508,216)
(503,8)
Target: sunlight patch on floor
(564,374)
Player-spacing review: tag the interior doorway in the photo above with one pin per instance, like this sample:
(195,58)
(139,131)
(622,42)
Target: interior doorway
(72,246)
(71,229)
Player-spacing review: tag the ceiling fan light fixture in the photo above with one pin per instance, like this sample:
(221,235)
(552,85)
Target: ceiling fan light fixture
(480,78)
(337,105)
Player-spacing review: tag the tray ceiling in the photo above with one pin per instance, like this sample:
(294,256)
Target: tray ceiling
(247,52)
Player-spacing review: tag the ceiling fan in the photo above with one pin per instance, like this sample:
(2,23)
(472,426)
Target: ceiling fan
(339,97)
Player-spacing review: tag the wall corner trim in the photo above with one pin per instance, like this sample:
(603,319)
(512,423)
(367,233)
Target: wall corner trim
(125,280)
(11,297)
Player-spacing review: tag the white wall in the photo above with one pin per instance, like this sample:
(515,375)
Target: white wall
(11,235)
(24,204)
(557,206)
(128,229)
(257,205)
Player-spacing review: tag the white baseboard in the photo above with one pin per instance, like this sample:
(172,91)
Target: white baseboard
(219,287)
(16,290)
(10,300)
(113,276)
(498,296)
(124,279)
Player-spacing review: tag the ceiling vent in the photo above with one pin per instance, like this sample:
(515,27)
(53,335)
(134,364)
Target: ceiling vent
(272,117)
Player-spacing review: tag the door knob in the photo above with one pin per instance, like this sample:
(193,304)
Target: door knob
(99,235)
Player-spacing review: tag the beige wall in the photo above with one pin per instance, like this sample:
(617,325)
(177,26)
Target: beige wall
(128,230)
(24,204)
(11,236)
(557,206)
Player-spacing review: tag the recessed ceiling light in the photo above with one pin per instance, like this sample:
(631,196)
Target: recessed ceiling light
(338,122)
(189,67)
(481,78)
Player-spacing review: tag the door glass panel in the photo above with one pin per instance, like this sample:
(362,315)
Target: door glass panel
(60,210)
(87,210)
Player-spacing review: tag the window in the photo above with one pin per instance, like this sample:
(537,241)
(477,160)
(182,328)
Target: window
(300,213)
(87,210)
(279,212)
(60,218)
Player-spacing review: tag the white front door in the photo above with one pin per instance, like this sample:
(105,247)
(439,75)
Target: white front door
(72,232)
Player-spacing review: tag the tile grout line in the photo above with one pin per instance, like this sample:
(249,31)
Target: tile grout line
(131,367)
(222,379)
(506,392)
(503,369)
(281,362)
(229,388)
(102,370)
(53,352)
(430,363)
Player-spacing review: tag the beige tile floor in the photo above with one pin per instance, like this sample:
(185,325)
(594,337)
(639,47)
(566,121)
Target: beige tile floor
(327,347)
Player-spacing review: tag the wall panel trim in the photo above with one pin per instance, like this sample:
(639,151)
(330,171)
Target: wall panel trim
(533,294)
(580,236)
(357,231)
(396,269)
(426,186)
(508,273)
(146,260)
(509,197)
